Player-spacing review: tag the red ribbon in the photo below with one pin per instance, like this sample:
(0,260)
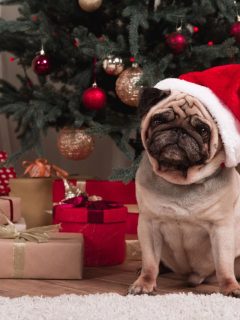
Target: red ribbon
(11,207)
(95,208)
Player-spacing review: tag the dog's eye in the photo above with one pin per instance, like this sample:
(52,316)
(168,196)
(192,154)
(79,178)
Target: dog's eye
(161,118)
(203,130)
(156,120)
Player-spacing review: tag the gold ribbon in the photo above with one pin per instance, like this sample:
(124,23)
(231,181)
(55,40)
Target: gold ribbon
(71,191)
(41,168)
(38,234)
(132,208)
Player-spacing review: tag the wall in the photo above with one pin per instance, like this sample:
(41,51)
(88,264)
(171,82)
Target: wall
(100,163)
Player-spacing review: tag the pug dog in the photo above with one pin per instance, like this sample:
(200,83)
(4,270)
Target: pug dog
(189,204)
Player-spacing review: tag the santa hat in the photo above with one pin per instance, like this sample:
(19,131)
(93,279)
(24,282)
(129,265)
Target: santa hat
(218,89)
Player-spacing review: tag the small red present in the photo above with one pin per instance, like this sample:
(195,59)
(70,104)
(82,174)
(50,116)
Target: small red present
(103,225)
(5,175)
(109,190)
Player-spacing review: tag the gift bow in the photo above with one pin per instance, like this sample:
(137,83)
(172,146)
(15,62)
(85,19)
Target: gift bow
(85,201)
(41,168)
(38,234)
(72,191)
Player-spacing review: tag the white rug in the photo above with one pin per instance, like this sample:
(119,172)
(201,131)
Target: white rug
(116,307)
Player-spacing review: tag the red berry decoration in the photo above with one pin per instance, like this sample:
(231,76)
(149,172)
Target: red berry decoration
(235,31)
(94,98)
(177,42)
(41,64)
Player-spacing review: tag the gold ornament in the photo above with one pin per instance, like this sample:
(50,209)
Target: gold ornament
(113,65)
(90,5)
(75,144)
(127,88)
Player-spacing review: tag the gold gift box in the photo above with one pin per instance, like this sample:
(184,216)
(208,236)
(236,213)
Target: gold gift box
(61,257)
(36,196)
(133,249)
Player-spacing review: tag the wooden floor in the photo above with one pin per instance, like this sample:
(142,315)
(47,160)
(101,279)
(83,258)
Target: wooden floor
(97,280)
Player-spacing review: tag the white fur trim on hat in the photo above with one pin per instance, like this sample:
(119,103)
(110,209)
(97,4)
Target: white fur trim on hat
(229,127)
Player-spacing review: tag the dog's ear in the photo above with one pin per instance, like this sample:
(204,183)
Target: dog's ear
(148,98)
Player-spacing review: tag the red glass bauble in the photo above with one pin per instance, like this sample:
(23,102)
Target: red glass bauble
(41,64)
(94,98)
(235,31)
(177,42)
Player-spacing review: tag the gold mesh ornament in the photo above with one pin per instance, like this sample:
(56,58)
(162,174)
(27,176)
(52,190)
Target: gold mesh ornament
(90,5)
(75,144)
(126,86)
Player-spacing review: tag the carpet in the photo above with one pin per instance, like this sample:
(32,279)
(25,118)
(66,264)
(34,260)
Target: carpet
(115,307)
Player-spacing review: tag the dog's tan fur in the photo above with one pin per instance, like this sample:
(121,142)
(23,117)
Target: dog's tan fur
(193,228)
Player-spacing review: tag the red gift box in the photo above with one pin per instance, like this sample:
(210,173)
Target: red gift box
(108,190)
(103,228)
(5,175)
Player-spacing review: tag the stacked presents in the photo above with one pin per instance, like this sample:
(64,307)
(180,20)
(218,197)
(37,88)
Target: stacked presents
(102,216)
(88,225)
(41,252)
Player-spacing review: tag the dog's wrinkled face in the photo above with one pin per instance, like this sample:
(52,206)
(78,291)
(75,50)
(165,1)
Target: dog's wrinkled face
(178,132)
(178,140)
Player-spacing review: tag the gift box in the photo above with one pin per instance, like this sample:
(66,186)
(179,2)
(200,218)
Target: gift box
(5,175)
(103,225)
(36,196)
(108,190)
(11,208)
(37,254)
(133,249)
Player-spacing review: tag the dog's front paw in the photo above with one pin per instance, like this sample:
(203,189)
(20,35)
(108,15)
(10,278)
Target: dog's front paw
(232,293)
(141,286)
(231,289)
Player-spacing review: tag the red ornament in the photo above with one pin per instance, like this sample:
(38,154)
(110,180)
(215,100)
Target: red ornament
(76,42)
(195,29)
(41,64)
(94,98)
(235,31)
(34,18)
(177,42)
(210,43)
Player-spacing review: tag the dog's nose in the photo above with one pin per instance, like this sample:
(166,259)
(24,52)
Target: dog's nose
(180,132)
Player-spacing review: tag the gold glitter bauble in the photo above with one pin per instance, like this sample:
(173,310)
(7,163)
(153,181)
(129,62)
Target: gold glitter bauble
(75,144)
(126,86)
(90,5)
(113,65)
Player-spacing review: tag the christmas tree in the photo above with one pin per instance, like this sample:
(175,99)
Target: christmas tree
(92,57)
